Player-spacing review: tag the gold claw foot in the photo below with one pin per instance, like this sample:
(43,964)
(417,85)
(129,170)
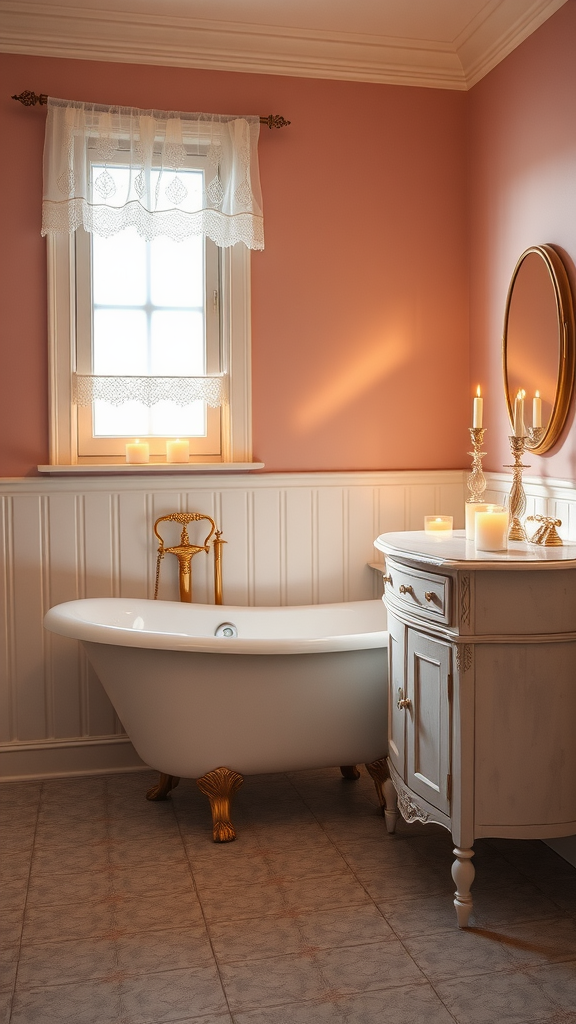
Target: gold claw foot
(162,788)
(349,771)
(220,786)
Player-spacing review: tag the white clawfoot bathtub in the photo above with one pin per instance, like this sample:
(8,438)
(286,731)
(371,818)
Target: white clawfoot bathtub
(299,687)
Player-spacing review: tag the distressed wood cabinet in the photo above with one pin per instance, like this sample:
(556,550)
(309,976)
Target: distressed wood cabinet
(482,715)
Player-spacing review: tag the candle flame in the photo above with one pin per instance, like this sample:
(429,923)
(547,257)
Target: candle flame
(137,441)
(478,391)
(537,395)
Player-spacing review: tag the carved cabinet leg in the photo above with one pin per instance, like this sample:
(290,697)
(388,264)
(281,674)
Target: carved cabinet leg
(390,805)
(463,874)
(163,786)
(378,771)
(349,771)
(220,786)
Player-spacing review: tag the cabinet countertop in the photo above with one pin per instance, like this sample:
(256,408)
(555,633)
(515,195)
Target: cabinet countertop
(457,552)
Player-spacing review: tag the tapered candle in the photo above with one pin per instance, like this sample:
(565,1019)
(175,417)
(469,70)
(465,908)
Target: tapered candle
(537,410)
(177,451)
(519,414)
(138,453)
(477,412)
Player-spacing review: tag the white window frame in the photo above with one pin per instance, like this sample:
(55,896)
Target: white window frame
(235,313)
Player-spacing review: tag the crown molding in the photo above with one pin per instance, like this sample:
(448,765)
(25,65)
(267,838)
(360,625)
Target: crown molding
(490,39)
(116,36)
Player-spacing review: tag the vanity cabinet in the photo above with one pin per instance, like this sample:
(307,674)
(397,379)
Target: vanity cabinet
(482,697)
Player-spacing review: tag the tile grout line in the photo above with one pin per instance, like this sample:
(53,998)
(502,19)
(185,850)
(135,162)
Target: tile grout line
(202,911)
(24,908)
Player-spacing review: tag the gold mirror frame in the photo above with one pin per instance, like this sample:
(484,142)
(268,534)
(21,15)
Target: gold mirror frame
(566,356)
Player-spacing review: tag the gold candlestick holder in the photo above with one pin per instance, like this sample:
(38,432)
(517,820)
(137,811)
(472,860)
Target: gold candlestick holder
(476,479)
(535,435)
(517,494)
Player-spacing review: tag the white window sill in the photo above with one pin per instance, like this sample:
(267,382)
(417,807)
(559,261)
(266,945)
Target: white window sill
(152,468)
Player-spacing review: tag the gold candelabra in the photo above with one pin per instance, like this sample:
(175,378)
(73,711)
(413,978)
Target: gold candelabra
(476,478)
(517,495)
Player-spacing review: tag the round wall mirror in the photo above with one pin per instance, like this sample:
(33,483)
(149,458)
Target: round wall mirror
(538,345)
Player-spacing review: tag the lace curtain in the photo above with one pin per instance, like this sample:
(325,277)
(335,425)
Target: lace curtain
(88,388)
(84,143)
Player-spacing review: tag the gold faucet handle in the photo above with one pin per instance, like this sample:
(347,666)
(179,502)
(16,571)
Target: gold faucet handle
(546,534)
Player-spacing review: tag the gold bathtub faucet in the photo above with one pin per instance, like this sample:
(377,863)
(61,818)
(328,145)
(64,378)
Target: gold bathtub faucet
(185,552)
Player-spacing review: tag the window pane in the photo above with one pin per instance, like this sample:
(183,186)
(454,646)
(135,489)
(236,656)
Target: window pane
(129,420)
(170,420)
(136,420)
(177,344)
(119,269)
(177,272)
(120,342)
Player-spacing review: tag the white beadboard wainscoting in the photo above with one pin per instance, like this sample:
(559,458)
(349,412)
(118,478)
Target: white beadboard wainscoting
(291,539)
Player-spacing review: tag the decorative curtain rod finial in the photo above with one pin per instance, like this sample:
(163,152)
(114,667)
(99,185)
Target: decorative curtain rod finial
(275,121)
(30,99)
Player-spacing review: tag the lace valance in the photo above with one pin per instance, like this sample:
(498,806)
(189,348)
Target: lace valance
(86,143)
(149,391)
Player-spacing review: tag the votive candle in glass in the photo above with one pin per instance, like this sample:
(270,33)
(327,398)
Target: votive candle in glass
(471,508)
(491,529)
(441,526)
(177,451)
(138,452)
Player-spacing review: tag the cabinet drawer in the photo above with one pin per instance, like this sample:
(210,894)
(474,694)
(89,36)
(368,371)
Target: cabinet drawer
(422,594)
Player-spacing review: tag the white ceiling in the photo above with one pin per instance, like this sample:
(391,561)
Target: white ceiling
(448,44)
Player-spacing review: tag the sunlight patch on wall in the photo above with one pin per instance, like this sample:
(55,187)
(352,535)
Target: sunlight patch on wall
(348,383)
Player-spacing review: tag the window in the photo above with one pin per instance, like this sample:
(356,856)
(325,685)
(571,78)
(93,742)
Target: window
(149,288)
(124,306)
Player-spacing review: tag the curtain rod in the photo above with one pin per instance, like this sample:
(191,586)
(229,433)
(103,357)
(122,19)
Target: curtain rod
(30,99)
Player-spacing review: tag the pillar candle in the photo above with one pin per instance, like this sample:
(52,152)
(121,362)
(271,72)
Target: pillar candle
(471,508)
(177,451)
(138,453)
(477,411)
(537,410)
(491,529)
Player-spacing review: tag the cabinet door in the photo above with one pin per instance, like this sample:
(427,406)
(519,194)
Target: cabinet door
(396,691)
(428,719)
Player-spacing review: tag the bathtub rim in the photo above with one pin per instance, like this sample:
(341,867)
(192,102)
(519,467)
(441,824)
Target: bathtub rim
(65,620)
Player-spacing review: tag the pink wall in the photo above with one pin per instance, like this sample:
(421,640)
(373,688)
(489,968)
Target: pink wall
(522,193)
(360,316)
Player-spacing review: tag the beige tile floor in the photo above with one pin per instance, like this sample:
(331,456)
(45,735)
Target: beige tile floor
(120,911)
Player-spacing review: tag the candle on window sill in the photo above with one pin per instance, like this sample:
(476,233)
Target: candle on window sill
(441,526)
(477,411)
(491,529)
(138,452)
(177,451)
(537,410)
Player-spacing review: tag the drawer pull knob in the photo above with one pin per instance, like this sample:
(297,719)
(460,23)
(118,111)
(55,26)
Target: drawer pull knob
(386,579)
(429,595)
(405,590)
(403,704)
